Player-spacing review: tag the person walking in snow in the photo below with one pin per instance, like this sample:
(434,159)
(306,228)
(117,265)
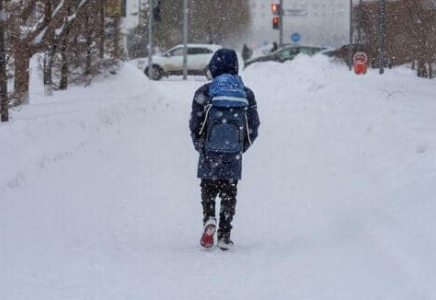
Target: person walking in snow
(224,123)
(246,52)
(274,47)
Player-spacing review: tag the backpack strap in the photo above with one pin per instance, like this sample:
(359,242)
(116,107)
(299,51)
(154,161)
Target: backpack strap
(247,128)
(206,110)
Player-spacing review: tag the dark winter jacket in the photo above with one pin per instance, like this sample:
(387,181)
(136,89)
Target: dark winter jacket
(213,165)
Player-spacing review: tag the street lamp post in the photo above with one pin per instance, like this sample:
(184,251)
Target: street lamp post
(185,39)
(350,43)
(382,34)
(281,24)
(150,39)
(139,12)
(359,23)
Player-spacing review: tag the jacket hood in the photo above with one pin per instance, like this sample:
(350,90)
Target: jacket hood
(224,61)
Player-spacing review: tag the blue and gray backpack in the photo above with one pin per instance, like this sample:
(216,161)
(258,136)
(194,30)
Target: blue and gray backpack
(225,116)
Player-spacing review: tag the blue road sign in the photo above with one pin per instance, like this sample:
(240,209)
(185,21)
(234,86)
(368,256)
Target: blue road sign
(295,37)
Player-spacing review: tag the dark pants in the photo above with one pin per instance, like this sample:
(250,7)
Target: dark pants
(226,190)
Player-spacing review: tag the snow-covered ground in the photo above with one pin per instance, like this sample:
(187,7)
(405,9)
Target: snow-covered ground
(99,199)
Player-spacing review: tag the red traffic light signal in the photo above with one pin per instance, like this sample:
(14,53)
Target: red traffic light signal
(276,22)
(275,8)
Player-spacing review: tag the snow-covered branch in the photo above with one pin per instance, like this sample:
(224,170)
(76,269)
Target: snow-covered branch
(70,18)
(53,20)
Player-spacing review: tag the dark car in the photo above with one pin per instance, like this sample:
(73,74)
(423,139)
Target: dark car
(286,53)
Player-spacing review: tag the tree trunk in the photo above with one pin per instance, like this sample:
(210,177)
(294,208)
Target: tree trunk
(88,70)
(422,69)
(116,37)
(101,30)
(48,69)
(77,52)
(48,59)
(88,65)
(63,84)
(21,77)
(4,101)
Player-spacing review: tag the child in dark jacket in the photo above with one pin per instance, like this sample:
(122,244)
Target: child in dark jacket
(220,174)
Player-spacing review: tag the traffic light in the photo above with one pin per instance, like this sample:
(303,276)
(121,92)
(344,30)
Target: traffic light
(276,11)
(157,10)
(275,8)
(276,22)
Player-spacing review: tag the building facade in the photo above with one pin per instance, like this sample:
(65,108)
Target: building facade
(311,22)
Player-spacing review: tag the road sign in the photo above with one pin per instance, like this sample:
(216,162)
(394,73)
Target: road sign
(295,37)
(295,12)
(115,8)
(360,63)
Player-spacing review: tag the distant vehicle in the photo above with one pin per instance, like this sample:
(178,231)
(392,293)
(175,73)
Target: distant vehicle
(286,53)
(170,62)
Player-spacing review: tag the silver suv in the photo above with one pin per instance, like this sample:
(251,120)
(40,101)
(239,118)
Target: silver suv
(170,62)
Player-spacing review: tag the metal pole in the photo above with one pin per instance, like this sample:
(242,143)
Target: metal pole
(359,23)
(139,13)
(382,34)
(185,39)
(281,23)
(150,39)
(350,51)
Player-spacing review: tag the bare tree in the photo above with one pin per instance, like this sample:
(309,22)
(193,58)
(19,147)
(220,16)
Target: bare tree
(83,46)
(411,32)
(4,102)
(43,21)
(219,21)
(49,55)
(64,46)
(423,28)
(215,21)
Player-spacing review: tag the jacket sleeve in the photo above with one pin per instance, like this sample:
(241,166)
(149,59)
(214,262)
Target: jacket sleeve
(252,120)
(197,116)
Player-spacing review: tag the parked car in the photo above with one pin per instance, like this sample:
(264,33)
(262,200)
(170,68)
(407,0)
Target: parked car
(286,53)
(170,62)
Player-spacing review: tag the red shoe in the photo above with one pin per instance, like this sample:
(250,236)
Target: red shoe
(207,239)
